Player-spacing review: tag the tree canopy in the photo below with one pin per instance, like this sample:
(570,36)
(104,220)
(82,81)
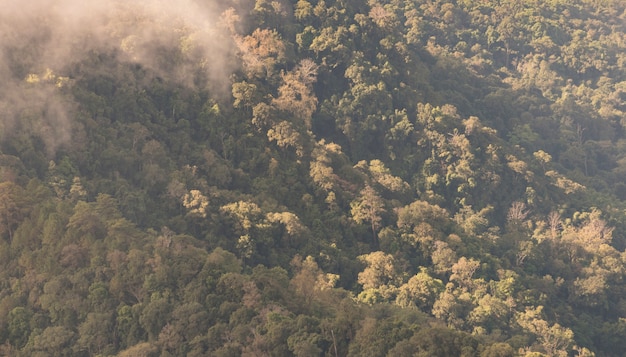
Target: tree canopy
(314,178)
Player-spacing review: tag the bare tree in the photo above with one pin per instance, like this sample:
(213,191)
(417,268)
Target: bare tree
(554,222)
(517,212)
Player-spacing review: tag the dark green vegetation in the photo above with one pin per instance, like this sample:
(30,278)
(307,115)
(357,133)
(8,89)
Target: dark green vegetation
(400,178)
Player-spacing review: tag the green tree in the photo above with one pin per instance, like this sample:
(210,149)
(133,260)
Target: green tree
(95,334)
(155,315)
(18,326)
(499,349)
(375,337)
(368,207)
(309,280)
(143,349)
(421,290)
(554,339)
(437,342)
(54,340)
(12,207)
(129,274)
(380,277)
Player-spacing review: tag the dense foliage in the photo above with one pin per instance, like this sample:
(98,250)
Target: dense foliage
(380,178)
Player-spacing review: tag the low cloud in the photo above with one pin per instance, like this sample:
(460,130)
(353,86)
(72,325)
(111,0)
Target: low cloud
(40,40)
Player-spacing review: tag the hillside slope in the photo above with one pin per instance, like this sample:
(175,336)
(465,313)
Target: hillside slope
(313,178)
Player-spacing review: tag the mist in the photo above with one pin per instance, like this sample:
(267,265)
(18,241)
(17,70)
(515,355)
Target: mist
(40,40)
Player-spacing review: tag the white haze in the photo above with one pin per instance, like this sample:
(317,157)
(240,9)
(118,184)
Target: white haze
(44,37)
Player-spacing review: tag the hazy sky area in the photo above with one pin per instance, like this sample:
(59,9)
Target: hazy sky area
(40,40)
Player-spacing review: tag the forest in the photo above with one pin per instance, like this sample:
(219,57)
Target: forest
(313,178)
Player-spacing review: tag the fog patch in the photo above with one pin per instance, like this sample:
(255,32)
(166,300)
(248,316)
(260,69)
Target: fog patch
(39,40)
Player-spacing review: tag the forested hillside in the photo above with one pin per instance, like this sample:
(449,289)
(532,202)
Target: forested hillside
(313,178)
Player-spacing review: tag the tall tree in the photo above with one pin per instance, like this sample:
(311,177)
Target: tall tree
(368,207)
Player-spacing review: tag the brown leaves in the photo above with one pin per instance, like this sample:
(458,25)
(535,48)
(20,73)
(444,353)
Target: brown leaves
(261,52)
